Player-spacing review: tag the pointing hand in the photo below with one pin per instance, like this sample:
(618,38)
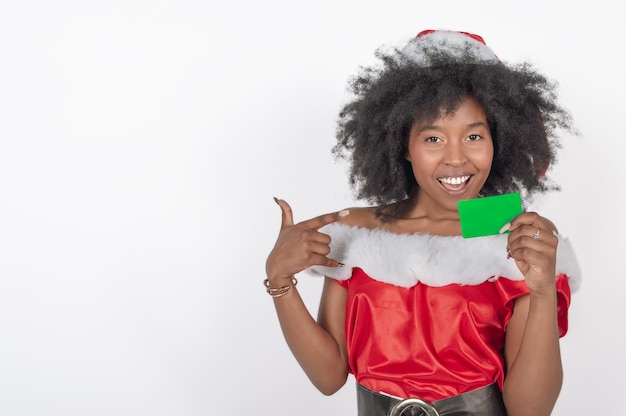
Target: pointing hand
(300,246)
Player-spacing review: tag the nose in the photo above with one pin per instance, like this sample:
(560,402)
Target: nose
(455,153)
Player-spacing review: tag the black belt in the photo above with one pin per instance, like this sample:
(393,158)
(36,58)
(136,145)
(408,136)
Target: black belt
(485,401)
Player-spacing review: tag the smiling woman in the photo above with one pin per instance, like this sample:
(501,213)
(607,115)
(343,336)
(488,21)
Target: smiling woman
(142,141)
(418,314)
(452,154)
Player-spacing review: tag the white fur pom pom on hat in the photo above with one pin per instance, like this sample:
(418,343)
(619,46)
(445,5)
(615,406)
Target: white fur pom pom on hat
(465,46)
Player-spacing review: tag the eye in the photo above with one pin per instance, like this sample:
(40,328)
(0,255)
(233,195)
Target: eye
(432,139)
(474,137)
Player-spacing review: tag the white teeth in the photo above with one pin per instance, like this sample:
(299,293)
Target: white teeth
(455,180)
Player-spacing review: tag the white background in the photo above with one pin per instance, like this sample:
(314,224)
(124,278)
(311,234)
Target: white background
(141,143)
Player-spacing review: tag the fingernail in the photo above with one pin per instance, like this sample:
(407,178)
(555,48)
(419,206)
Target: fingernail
(343,213)
(276,200)
(505,228)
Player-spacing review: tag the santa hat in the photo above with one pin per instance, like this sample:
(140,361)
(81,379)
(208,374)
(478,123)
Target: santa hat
(467,47)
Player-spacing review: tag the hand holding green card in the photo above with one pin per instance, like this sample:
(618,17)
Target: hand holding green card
(485,216)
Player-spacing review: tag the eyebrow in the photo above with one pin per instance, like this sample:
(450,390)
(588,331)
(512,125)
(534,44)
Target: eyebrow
(436,127)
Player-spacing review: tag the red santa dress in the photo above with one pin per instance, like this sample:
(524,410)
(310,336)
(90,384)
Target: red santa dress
(426,315)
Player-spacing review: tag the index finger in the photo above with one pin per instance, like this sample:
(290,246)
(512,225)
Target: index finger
(325,219)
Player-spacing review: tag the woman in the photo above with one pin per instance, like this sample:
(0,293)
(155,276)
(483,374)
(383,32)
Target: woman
(410,307)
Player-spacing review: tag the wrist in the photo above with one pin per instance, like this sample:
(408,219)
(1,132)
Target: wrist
(546,296)
(542,288)
(280,290)
(274,275)
(279,280)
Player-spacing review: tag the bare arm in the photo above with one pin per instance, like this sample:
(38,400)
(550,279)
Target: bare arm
(318,346)
(532,351)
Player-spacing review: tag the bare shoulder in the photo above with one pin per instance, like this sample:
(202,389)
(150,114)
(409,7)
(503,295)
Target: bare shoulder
(361,217)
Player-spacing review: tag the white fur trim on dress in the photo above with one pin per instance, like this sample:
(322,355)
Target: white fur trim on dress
(406,259)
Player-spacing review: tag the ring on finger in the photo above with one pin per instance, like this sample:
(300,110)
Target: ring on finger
(537,234)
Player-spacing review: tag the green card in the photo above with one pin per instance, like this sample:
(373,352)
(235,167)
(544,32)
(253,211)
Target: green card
(486,216)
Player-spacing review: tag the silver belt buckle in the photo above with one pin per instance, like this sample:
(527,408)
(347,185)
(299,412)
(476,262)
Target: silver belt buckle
(401,406)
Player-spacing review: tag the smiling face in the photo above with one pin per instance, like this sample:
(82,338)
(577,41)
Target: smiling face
(450,157)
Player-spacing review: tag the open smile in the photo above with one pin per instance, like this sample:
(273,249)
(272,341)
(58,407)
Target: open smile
(455,184)
(455,180)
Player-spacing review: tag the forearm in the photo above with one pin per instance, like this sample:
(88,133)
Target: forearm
(534,379)
(314,348)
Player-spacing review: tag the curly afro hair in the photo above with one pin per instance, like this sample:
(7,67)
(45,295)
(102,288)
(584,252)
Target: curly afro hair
(373,128)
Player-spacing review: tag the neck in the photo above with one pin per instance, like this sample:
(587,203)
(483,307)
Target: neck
(423,215)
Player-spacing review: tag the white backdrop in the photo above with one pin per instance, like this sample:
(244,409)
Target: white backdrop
(141,143)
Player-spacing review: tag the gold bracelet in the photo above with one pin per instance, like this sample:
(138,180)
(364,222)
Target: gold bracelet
(281,291)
